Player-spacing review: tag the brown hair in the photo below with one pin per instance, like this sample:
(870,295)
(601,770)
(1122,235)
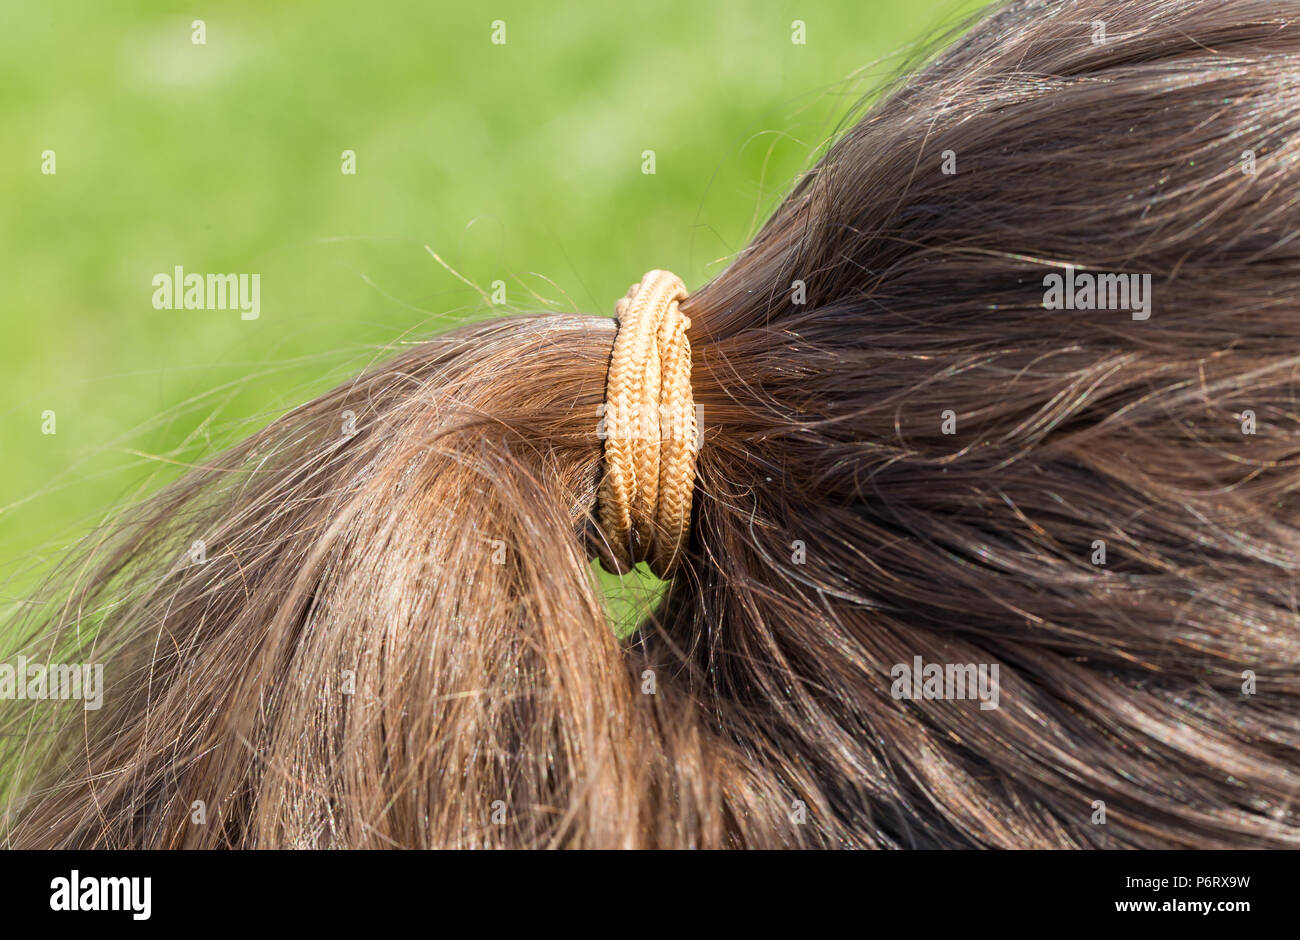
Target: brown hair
(905,454)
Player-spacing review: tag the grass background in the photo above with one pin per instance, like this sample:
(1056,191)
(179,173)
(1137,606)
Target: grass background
(519,162)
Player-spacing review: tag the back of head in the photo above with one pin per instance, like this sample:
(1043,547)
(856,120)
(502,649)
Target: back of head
(1002,397)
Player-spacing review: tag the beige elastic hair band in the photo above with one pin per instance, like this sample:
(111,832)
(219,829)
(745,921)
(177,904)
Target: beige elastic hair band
(649,425)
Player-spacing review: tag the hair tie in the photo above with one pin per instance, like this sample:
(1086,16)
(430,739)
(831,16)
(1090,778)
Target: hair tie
(650,432)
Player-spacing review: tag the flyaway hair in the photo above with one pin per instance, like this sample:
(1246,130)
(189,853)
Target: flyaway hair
(908,455)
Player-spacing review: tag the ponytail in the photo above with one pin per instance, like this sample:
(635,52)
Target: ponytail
(949,562)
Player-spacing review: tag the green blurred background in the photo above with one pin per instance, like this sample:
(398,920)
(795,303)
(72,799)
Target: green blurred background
(520,162)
